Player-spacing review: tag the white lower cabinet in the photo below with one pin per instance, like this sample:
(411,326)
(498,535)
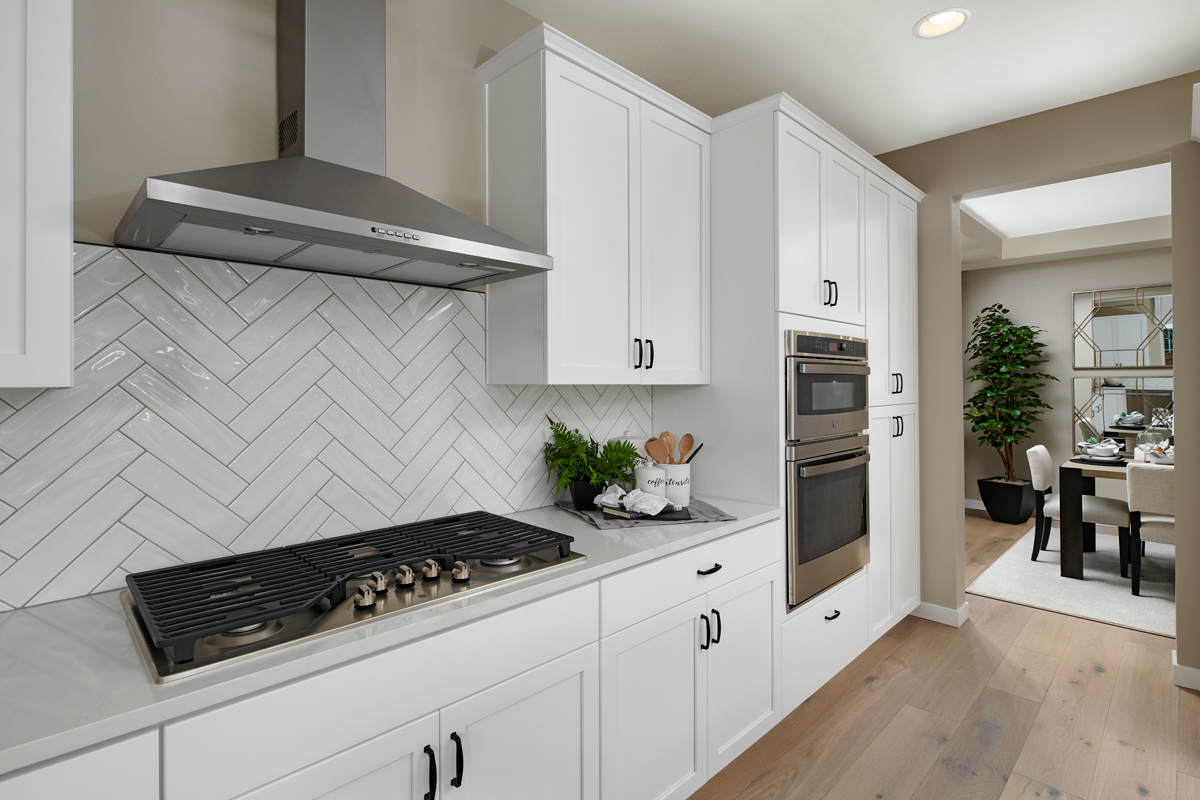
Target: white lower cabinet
(821,637)
(123,770)
(895,571)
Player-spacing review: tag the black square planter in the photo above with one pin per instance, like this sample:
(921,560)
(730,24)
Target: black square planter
(1010,503)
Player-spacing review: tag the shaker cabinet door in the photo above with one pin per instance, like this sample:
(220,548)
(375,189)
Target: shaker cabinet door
(879,574)
(802,288)
(878,240)
(902,296)
(845,183)
(906,533)
(123,770)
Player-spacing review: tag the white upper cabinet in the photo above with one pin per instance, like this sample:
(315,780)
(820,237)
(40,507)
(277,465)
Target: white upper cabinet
(611,176)
(891,322)
(35,193)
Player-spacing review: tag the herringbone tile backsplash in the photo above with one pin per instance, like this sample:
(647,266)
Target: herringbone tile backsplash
(222,408)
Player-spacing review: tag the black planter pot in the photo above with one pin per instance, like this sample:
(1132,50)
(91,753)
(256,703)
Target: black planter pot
(583,495)
(1010,503)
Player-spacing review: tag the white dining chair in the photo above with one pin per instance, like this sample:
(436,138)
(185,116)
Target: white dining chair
(1151,512)
(1096,510)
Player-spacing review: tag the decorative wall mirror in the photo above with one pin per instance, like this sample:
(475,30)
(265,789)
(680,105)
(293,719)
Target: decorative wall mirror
(1127,328)
(1099,402)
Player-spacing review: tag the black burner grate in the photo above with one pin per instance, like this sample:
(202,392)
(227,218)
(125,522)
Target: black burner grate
(180,605)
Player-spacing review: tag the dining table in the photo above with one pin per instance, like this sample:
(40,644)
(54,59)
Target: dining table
(1077,537)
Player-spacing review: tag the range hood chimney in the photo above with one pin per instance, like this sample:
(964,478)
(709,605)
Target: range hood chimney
(325,204)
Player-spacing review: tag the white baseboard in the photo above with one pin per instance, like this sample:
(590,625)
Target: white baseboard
(975,504)
(946,616)
(1185,676)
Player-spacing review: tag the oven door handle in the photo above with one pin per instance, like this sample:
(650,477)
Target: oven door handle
(832,369)
(833,466)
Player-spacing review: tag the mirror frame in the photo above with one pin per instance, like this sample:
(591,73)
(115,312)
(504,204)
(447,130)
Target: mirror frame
(1133,297)
(1157,416)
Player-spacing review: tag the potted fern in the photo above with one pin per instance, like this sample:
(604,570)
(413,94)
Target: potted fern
(585,466)
(1003,410)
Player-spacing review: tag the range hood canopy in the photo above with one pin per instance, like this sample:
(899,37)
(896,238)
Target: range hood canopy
(325,204)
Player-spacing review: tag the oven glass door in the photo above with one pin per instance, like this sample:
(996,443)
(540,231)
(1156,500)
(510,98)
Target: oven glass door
(826,399)
(827,522)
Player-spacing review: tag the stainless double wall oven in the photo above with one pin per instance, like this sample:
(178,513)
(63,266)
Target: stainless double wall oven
(826,460)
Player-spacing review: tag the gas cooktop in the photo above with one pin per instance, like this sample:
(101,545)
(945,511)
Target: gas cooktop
(193,617)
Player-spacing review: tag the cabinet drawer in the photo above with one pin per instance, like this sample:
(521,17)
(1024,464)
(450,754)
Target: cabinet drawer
(815,648)
(644,591)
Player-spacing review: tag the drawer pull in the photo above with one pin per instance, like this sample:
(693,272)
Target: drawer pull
(710,571)
(836,614)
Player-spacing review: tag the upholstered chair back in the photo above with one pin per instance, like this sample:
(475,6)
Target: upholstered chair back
(1041,467)
(1151,488)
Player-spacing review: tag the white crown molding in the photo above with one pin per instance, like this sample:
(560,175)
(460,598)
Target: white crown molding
(786,105)
(543,37)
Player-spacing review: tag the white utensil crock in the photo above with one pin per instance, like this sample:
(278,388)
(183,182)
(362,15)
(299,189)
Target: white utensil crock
(679,483)
(651,479)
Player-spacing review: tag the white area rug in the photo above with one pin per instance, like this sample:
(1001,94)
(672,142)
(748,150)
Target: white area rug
(1103,595)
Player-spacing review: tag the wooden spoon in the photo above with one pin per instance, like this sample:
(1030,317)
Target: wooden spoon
(685,447)
(657,450)
(668,439)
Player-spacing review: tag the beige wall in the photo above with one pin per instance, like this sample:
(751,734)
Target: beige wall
(166,86)
(1140,126)
(1040,294)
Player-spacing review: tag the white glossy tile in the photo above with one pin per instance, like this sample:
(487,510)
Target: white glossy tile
(188,374)
(19,398)
(440,442)
(175,493)
(250,272)
(258,376)
(285,430)
(171,533)
(275,478)
(361,373)
(532,481)
(255,300)
(92,566)
(72,442)
(483,463)
(272,403)
(534,418)
(480,490)
(423,430)
(589,394)
(178,281)
(148,556)
(115,579)
(356,298)
(366,447)
(357,405)
(527,397)
(373,489)
(83,254)
(435,483)
(465,321)
(441,504)
(427,393)
(6,561)
(387,298)
(429,326)
(45,512)
(34,423)
(102,327)
(644,396)
(418,303)
(475,303)
(336,525)
(6,510)
(184,414)
(608,396)
(169,316)
(20,582)
(583,412)
(488,408)
(304,525)
(217,275)
(429,359)
(280,318)
(184,456)
(473,363)
(357,511)
(6,411)
(103,279)
(488,436)
(282,509)
(359,337)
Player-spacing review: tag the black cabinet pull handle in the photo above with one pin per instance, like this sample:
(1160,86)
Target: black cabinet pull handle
(650,363)
(901,389)
(432,793)
(895,383)
(710,570)
(901,419)
(456,781)
(638,365)
(717,616)
(836,294)
(836,614)
(827,292)
(895,427)
(707,632)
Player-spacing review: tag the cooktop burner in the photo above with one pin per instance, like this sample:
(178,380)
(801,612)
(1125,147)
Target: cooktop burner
(192,617)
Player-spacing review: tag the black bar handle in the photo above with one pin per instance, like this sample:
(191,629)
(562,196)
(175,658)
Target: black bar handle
(895,383)
(836,294)
(639,364)
(827,292)
(707,632)
(895,427)
(456,781)
(717,616)
(902,426)
(901,391)
(836,614)
(710,570)
(650,363)
(432,793)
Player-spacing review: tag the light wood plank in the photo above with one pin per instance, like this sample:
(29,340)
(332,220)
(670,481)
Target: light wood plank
(954,686)
(1137,756)
(1021,788)
(980,756)
(893,765)
(1065,741)
(1150,640)
(1025,673)
(811,767)
(983,554)
(1188,787)
(1047,632)
(1189,732)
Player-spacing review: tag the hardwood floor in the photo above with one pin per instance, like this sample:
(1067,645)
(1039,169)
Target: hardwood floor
(1017,704)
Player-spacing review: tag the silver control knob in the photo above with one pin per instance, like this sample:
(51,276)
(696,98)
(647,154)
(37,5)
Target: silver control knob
(405,577)
(432,570)
(461,572)
(364,597)
(378,583)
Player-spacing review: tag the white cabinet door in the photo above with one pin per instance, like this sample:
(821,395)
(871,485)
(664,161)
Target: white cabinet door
(533,737)
(845,181)
(823,636)
(654,706)
(744,699)
(905,538)
(882,381)
(396,764)
(801,287)
(124,770)
(902,294)
(879,573)
(593,225)
(674,260)
(35,194)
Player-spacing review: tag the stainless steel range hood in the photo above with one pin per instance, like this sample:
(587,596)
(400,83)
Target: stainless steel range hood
(325,204)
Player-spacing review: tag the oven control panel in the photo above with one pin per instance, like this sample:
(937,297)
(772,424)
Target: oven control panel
(820,345)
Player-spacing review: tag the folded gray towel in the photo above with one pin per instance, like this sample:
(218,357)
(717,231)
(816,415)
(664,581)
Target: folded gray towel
(700,511)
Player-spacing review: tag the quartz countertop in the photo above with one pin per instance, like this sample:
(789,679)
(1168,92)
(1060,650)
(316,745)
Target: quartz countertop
(71,675)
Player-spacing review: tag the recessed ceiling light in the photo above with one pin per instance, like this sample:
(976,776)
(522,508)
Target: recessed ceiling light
(940,23)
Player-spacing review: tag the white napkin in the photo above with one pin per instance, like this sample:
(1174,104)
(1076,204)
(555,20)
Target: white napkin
(616,497)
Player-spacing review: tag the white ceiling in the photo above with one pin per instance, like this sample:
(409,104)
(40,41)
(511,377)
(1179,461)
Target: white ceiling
(857,64)
(1100,200)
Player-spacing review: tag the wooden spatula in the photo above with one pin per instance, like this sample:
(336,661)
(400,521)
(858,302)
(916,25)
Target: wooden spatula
(668,439)
(657,450)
